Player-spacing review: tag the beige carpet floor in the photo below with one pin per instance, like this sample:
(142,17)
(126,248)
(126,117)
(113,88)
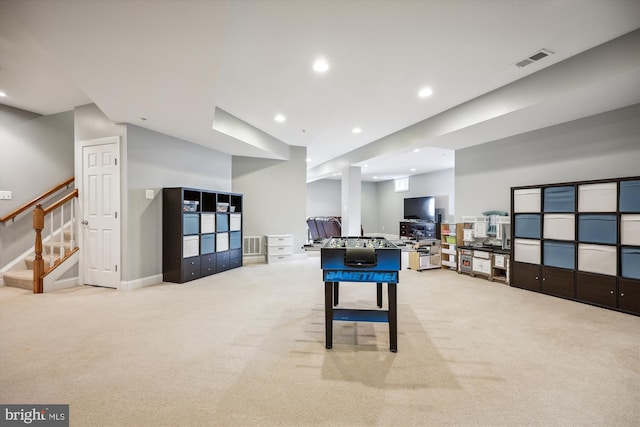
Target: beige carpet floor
(246,348)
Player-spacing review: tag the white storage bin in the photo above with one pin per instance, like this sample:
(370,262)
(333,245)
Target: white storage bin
(279,240)
(527,200)
(598,197)
(630,230)
(597,259)
(190,246)
(222,242)
(235,222)
(559,226)
(208,223)
(526,250)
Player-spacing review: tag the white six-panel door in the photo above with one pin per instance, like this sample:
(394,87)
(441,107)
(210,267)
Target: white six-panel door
(100,219)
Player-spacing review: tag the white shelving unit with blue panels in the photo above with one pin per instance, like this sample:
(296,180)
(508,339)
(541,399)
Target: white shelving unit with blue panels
(579,240)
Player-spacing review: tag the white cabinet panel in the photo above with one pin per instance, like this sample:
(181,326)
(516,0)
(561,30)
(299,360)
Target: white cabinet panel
(559,226)
(207,223)
(630,230)
(526,250)
(222,242)
(190,246)
(527,200)
(235,222)
(598,197)
(597,259)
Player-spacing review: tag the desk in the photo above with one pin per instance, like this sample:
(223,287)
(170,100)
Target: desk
(361,260)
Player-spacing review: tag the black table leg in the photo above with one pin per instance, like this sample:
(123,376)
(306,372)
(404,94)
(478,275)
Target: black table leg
(328,314)
(379,290)
(336,292)
(393,317)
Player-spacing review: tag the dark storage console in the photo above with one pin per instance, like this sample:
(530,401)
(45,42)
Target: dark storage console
(579,240)
(201,233)
(419,230)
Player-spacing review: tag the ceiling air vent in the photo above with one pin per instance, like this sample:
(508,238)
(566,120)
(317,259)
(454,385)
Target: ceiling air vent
(542,53)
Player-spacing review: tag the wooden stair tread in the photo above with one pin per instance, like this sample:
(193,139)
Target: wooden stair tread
(19,279)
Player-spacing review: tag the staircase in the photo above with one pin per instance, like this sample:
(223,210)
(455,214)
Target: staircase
(23,278)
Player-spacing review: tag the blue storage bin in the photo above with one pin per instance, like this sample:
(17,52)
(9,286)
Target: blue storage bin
(598,228)
(207,244)
(559,199)
(190,223)
(630,258)
(527,226)
(235,240)
(559,254)
(222,222)
(630,196)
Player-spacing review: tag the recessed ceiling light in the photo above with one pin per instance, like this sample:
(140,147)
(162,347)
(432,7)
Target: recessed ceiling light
(416,150)
(308,160)
(3,94)
(320,65)
(280,118)
(412,169)
(356,130)
(375,177)
(425,92)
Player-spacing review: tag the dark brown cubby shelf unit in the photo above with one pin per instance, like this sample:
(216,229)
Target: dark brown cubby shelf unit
(201,233)
(579,241)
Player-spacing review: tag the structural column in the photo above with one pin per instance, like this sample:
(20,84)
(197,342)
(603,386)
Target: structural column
(351,201)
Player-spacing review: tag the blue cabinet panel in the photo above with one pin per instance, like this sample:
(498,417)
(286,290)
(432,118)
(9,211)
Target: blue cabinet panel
(527,226)
(598,228)
(222,222)
(559,254)
(235,240)
(559,199)
(191,224)
(630,196)
(630,263)
(207,243)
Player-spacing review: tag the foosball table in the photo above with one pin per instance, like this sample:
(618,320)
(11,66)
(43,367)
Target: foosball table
(362,260)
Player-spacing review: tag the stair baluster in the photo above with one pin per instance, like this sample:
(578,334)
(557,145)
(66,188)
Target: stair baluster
(38,264)
(62,232)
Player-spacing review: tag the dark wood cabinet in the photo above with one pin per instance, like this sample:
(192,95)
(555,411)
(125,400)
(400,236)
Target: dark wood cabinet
(419,229)
(558,282)
(596,289)
(579,240)
(629,295)
(201,233)
(525,276)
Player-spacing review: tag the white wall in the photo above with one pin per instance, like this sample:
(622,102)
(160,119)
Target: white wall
(382,207)
(602,146)
(275,195)
(36,153)
(324,198)
(154,161)
(391,204)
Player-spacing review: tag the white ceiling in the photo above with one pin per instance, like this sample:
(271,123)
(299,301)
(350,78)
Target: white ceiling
(170,65)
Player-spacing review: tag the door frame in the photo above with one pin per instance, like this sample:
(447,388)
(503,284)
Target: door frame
(79,208)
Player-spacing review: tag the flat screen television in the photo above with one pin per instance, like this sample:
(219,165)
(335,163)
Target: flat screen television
(423,208)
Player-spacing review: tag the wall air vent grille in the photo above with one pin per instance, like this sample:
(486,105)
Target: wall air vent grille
(251,245)
(542,53)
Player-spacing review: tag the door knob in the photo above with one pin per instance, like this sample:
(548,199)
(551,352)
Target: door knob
(85,222)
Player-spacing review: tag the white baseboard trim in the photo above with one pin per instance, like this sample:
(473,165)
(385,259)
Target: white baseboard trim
(140,283)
